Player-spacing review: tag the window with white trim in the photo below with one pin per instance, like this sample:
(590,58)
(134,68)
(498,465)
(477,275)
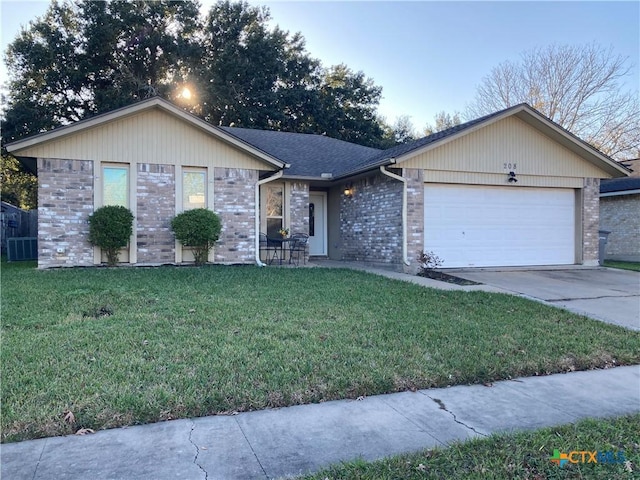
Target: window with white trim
(194,188)
(115,185)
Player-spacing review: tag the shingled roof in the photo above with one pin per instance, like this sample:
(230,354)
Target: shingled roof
(312,155)
(309,155)
(619,185)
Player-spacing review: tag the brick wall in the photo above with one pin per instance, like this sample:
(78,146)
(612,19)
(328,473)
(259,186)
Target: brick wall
(156,206)
(370,221)
(590,221)
(620,215)
(65,201)
(234,201)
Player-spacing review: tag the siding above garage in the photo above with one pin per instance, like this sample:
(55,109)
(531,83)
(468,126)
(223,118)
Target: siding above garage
(486,155)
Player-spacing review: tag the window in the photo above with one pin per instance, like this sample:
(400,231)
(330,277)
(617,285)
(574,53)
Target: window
(115,186)
(274,210)
(194,188)
(312,220)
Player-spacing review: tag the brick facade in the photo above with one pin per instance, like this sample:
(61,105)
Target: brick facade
(299,210)
(234,202)
(299,207)
(590,221)
(415,217)
(371,221)
(156,206)
(65,201)
(620,214)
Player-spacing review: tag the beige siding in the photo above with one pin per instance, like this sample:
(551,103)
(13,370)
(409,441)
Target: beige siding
(509,141)
(152,136)
(473,178)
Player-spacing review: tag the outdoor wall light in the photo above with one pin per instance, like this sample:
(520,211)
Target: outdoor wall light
(348,190)
(512,177)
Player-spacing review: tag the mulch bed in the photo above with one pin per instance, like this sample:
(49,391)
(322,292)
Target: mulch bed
(445,277)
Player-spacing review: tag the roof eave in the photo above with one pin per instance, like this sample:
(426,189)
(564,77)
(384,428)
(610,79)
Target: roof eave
(617,193)
(372,166)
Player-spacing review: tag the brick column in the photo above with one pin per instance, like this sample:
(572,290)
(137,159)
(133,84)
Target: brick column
(156,207)
(590,221)
(65,201)
(415,216)
(234,201)
(299,208)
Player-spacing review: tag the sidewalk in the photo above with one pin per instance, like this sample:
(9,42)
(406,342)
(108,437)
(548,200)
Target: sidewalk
(294,440)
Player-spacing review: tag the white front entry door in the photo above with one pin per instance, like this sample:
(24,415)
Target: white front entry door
(318,223)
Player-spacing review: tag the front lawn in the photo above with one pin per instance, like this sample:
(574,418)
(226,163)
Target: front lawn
(518,455)
(634,266)
(135,345)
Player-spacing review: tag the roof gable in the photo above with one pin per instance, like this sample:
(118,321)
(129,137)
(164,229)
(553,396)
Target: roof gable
(524,112)
(97,138)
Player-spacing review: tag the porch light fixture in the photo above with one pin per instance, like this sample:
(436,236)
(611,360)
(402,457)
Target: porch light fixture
(348,190)
(512,177)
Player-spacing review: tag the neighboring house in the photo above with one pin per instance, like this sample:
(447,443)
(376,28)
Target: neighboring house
(511,188)
(620,215)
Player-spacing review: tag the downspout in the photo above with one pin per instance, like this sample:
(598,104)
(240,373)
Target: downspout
(262,182)
(404,211)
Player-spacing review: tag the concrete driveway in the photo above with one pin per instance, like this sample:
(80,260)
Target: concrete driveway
(606,294)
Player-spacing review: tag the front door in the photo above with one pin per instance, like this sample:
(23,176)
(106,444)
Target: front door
(318,223)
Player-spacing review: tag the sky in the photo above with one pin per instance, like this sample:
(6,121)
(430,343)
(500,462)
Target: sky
(427,56)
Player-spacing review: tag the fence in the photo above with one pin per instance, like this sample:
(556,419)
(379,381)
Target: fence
(17,223)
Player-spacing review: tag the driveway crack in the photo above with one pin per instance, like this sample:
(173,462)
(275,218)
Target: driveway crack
(455,419)
(195,459)
(590,298)
(35,472)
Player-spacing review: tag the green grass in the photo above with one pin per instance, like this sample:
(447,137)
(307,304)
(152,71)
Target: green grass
(136,345)
(635,266)
(523,455)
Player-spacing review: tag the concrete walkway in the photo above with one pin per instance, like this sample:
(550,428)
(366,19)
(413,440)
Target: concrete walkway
(295,440)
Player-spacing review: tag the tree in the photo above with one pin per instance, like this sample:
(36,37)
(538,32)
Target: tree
(85,57)
(443,121)
(579,87)
(19,187)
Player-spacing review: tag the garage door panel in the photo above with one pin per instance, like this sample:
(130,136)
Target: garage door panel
(469,225)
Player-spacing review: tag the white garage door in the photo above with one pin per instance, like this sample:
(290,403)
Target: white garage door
(482,226)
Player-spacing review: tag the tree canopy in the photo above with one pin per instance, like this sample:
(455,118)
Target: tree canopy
(85,57)
(579,87)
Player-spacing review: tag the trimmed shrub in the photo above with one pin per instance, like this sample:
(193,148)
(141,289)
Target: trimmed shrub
(199,229)
(110,228)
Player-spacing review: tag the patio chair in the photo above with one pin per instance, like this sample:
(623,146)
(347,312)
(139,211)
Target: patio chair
(268,246)
(298,246)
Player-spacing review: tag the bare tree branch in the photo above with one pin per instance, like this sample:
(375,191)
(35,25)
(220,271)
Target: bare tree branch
(578,87)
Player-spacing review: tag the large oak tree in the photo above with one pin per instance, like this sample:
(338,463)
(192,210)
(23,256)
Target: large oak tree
(85,57)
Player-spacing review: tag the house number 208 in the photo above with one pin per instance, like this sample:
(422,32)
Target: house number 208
(510,166)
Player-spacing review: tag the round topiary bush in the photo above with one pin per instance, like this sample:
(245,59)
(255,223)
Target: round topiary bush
(199,229)
(110,228)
